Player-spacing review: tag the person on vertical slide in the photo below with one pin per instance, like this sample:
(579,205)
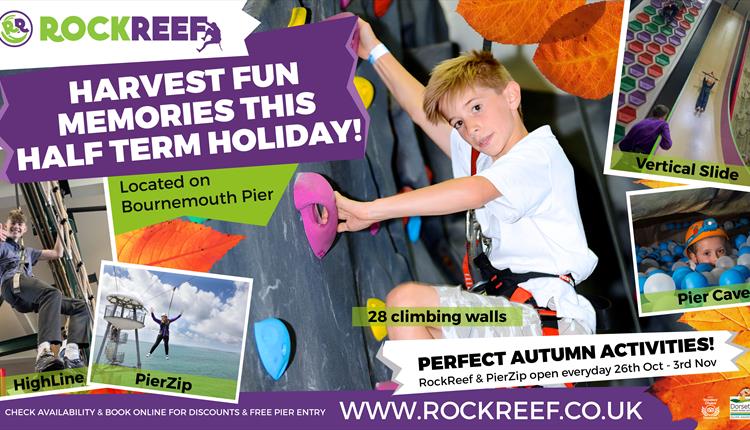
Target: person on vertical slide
(164,323)
(669,11)
(642,136)
(709,80)
(25,293)
(524,195)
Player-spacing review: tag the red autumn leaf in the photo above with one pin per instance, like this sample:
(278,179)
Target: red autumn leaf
(381,7)
(578,54)
(514,22)
(175,244)
(684,394)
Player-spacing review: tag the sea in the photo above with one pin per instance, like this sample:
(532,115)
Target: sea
(182,359)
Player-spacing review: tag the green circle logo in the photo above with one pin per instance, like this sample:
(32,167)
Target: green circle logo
(15,28)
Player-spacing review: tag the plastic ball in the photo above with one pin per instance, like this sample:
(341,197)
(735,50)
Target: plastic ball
(659,282)
(704,267)
(679,264)
(728,225)
(740,240)
(744,221)
(679,274)
(711,278)
(725,262)
(650,262)
(679,249)
(641,282)
(742,269)
(664,245)
(653,270)
(694,280)
(731,277)
(667,259)
(744,250)
(744,260)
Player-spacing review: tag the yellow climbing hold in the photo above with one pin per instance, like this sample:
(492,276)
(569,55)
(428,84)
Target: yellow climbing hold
(379,331)
(365,89)
(299,17)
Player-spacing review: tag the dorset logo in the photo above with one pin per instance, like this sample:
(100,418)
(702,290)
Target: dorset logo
(15,28)
(739,405)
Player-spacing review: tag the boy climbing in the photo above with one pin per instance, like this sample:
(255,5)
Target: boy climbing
(25,293)
(705,242)
(524,195)
(642,137)
(164,323)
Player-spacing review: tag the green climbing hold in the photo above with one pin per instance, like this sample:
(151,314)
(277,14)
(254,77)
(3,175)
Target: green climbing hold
(619,132)
(627,84)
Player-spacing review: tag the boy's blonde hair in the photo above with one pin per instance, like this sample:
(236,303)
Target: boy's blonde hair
(450,77)
(16,216)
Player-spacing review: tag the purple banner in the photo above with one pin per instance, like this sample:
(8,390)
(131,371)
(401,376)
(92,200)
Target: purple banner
(527,409)
(290,100)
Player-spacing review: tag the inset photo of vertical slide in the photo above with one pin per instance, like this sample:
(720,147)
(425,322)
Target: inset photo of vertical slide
(682,106)
(170,331)
(690,248)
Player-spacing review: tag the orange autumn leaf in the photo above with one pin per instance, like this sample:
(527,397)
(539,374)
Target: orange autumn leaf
(656,184)
(683,394)
(732,319)
(514,22)
(175,244)
(578,54)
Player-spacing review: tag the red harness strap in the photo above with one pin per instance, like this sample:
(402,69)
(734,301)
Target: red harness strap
(518,295)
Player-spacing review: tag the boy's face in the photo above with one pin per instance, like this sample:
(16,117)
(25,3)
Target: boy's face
(708,250)
(14,230)
(486,118)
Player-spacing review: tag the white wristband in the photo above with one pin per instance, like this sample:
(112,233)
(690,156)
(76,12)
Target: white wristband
(376,53)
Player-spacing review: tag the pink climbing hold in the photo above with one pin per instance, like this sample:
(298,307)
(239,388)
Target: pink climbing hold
(387,386)
(311,192)
(355,36)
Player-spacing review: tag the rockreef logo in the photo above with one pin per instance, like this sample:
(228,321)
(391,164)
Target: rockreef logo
(15,28)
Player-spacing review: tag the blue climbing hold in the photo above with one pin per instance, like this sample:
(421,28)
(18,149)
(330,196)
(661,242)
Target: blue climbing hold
(413,226)
(694,280)
(704,267)
(274,346)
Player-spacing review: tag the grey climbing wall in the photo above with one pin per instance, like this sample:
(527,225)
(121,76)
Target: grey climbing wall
(313,296)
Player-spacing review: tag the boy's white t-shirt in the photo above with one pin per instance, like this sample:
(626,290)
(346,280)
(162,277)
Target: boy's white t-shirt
(535,225)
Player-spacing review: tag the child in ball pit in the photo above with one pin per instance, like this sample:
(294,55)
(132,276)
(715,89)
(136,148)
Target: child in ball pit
(705,242)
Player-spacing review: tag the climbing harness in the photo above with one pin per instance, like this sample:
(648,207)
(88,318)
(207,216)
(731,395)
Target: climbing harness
(501,282)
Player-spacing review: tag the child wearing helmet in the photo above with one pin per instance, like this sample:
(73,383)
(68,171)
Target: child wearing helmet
(705,242)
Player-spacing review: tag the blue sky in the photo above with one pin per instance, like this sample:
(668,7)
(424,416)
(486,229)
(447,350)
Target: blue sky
(213,310)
